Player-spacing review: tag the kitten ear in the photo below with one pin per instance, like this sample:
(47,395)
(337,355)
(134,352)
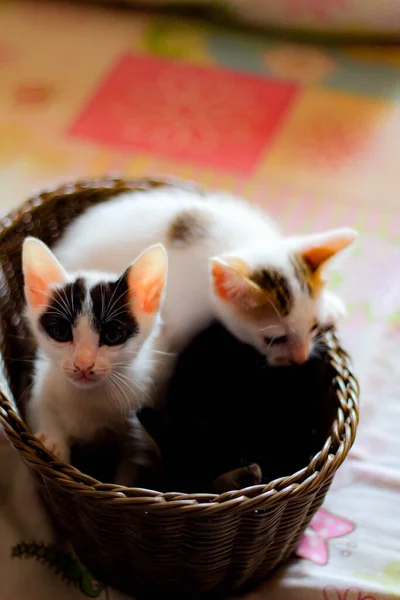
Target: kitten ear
(146,279)
(41,271)
(317,249)
(231,282)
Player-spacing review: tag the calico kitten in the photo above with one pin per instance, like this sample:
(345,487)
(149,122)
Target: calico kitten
(226,260)
(95,333)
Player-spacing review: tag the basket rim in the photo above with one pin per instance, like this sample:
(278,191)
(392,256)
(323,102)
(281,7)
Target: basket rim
(319,470)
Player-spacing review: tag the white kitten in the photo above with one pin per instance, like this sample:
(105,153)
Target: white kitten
(96,334)
(226,259)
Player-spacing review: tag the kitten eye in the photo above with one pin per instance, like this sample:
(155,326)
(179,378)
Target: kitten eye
(271,341)
(113,335)
(61,332)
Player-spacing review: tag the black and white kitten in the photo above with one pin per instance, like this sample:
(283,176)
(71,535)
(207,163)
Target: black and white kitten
(96,334)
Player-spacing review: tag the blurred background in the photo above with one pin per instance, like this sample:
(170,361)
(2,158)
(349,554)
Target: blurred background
(294,104)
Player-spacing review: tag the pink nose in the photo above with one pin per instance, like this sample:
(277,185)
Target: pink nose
(299,353)
(299,360)
(84,368)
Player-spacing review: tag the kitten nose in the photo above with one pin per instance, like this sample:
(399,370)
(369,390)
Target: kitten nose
(84,360)
(299,353)
(300,360)
(84,368)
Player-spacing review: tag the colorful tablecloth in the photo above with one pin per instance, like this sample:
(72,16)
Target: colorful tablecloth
(352,18)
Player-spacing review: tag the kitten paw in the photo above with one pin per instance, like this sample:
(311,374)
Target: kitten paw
(56,445)
(237,479)
(332,310)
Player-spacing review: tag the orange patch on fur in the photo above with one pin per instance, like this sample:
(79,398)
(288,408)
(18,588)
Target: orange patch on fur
(316,256)
(317,282)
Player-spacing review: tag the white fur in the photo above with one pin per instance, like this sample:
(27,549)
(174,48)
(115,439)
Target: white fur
(108,235)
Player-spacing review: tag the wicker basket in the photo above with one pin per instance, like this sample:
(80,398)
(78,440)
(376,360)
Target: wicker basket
(142,540)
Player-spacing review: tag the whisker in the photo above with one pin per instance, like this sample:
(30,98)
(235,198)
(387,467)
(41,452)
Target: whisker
(127,380)
(115,397)
(164,353)
(132,385)
(116,392)
(26,392)
(120,386)
(111,299)
(60,301)
(123,323)
(275,309)
(272,341)
(57,312)
(125,406)
(268,327)
(116,312)
(22,359)
(22,337)
(110,307)
(103,300)
(72,299)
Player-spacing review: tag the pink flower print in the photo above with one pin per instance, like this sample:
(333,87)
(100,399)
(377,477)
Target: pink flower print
(319,9)
(324,526)
(331,592)
(314,548)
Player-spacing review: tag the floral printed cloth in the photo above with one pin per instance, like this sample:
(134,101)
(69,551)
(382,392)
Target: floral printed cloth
(310,133)
(350,17)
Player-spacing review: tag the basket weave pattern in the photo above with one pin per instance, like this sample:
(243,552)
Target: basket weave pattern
(139,539)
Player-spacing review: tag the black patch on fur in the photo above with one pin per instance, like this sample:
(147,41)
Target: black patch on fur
(111,304)
(302,272)
(189,226)
(65,305)
(276,284)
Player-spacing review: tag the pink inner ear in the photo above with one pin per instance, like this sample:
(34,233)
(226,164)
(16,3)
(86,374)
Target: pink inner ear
(36,290)
(221,281)
(232,286)
(147,295)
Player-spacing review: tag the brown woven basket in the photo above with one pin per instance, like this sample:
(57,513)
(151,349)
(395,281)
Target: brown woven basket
(138,539)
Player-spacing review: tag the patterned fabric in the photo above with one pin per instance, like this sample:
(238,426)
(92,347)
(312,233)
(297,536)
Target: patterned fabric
(349,17)
(312,134)
(352,17)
